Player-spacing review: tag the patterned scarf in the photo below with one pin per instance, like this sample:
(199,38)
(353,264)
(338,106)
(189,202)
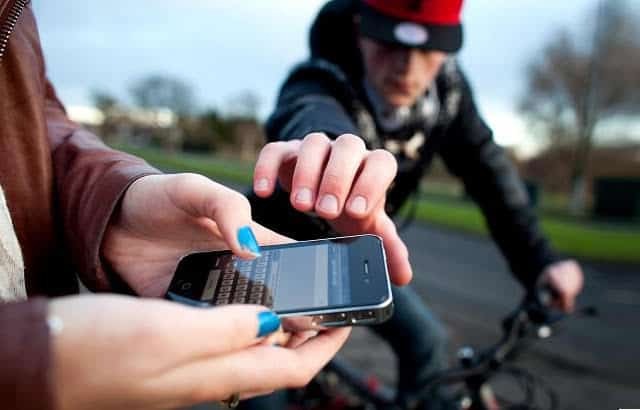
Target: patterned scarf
(12,286)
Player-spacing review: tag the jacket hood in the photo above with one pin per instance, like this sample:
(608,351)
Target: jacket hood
(333,36)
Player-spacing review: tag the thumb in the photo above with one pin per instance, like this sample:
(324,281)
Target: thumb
(396,251)
(239,326)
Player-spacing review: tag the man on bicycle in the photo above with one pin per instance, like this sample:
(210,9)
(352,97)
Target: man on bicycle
(385,71)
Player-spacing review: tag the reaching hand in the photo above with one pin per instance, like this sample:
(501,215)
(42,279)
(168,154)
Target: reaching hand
(116,352)
(566,279)
(163,217)
(342,182)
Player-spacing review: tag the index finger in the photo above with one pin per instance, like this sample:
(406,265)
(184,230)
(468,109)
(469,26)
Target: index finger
(269,163)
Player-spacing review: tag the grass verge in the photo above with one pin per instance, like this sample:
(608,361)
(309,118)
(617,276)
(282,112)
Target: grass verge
(220,169)
(605,243)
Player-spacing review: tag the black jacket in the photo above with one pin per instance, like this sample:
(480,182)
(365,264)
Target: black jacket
(326,94)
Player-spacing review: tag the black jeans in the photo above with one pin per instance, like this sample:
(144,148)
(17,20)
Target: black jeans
(417,338)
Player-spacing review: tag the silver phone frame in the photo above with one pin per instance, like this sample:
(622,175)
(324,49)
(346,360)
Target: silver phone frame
(309,320)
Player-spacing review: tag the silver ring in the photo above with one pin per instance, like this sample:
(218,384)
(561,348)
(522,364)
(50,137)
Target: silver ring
(233,401)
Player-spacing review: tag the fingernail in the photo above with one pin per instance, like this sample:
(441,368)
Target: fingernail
(261,184)
(329,203)
(268,322)
(248,241)
(304,196)
(359,205)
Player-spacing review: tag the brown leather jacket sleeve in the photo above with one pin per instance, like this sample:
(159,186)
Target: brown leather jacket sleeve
(90,180)
(24,355)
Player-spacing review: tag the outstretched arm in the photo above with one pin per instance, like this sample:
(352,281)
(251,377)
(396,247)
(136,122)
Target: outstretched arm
(492,181)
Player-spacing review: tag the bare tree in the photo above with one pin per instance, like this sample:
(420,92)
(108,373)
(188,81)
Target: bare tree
(159,91)
(108,106)
(579,81)
(103,100)
(246,104)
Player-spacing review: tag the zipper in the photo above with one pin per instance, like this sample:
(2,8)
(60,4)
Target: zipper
(9,24)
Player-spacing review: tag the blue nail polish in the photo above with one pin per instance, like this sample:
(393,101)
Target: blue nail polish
(248,241)
(268,323)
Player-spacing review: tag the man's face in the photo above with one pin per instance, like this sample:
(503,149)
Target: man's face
(400,75)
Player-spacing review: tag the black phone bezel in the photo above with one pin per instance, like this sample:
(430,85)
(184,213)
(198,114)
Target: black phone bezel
(370,289)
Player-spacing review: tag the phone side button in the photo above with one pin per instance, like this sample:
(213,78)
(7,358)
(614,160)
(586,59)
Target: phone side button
(366,317)
(331,320)
(317,321)
(333,324)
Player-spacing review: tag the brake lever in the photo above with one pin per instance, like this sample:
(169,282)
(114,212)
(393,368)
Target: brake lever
(545,296)
(543,315)
(539,309)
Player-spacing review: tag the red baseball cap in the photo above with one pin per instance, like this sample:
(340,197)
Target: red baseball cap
(424,24)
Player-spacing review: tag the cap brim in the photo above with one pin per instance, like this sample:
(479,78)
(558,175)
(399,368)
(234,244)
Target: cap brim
(378,26)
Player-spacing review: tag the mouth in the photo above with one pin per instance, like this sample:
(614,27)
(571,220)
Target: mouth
(400,86)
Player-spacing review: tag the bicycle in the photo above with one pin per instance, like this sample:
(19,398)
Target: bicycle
(342,387)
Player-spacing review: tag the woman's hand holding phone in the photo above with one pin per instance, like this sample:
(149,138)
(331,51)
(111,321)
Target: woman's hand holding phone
(146,353)
(120,352)
(164,217)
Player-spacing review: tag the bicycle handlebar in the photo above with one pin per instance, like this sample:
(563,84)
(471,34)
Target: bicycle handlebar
(533,313)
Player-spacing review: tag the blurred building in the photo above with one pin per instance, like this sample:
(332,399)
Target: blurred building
(551,167)
(133,125)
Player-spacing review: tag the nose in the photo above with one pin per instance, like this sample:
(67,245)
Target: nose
(403,58)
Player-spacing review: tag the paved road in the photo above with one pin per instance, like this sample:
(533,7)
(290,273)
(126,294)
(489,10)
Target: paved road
(590,362)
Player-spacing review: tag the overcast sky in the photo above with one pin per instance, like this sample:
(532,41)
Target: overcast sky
(224,47)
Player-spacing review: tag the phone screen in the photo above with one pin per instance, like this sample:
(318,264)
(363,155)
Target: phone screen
(286,278)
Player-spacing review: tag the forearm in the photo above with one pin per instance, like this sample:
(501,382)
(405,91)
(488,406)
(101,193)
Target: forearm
(313,113)
(90,178)
(520,240)
(500,193)
(491,179)
(314,98)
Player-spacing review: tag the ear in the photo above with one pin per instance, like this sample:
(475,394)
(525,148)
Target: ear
(356,29)
(356,26)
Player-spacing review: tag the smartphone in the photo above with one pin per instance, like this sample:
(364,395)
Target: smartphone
(310,284)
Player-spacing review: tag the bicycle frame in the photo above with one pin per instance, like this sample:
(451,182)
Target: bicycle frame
(531,320)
